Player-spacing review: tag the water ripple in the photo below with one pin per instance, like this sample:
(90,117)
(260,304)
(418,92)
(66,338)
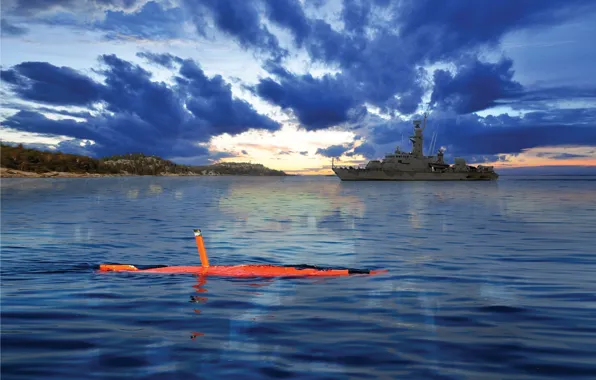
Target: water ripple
(486,281)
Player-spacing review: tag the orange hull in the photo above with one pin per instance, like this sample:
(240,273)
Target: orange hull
(238,270)
(242,270)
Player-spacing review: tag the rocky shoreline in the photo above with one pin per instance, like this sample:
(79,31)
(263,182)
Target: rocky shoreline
(13,173)
(21,162)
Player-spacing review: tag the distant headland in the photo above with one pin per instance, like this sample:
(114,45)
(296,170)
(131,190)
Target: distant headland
(18,161)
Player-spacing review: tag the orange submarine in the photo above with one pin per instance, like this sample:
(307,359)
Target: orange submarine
(238,270)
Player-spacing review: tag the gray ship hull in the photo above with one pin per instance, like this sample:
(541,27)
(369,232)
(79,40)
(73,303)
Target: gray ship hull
(415,166)
(346,174)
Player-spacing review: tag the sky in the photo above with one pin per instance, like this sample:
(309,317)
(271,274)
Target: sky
(292,84)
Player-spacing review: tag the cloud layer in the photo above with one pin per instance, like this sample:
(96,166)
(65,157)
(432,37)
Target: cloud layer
(396,57)
(129,111)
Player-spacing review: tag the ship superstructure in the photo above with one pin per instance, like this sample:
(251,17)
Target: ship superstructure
(415,166)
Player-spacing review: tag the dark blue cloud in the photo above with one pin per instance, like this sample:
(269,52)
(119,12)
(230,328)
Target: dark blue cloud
(30,8)
(390,131)
(382,66)
(385,77)
(9,29)
(317,102)
(44,82)
(468,135)
(443,28)
(315,3)
(133,113)
(289,14)
(481,85)
(378,59)
(142,19)
(62,112)
(476,86)
(537,98)
(239,19)
(210,101)
(28,121)
(130,90)
(152,22)
(366,150)
(562,156)
(355,15)
(373,71)
(478,159)
(206,159)
(38,108)
(164,59)
(334,150)
(571,116)
(479,140)
(117,134)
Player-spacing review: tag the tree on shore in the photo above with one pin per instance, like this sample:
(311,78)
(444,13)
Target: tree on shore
(33,160)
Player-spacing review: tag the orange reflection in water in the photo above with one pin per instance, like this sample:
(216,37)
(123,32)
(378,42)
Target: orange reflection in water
(200,288)
(201,281)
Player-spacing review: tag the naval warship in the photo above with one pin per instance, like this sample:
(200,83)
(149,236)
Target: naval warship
(415,166)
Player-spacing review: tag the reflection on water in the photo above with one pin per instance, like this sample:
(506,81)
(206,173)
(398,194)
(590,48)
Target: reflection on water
(155,189)
(290,203)
(82,234)
(290,207)
(487,280)
(133,193)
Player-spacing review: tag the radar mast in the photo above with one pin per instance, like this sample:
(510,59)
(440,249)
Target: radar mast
(417,139)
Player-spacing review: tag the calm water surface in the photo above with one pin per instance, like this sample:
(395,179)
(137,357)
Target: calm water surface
(487,280)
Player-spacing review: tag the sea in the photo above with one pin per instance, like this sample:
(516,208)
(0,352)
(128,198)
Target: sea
(486,280)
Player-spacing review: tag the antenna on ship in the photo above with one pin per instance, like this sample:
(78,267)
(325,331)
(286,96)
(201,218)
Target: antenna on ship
(433,141)
(435,138)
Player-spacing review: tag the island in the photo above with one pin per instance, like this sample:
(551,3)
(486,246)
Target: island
(21,162)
